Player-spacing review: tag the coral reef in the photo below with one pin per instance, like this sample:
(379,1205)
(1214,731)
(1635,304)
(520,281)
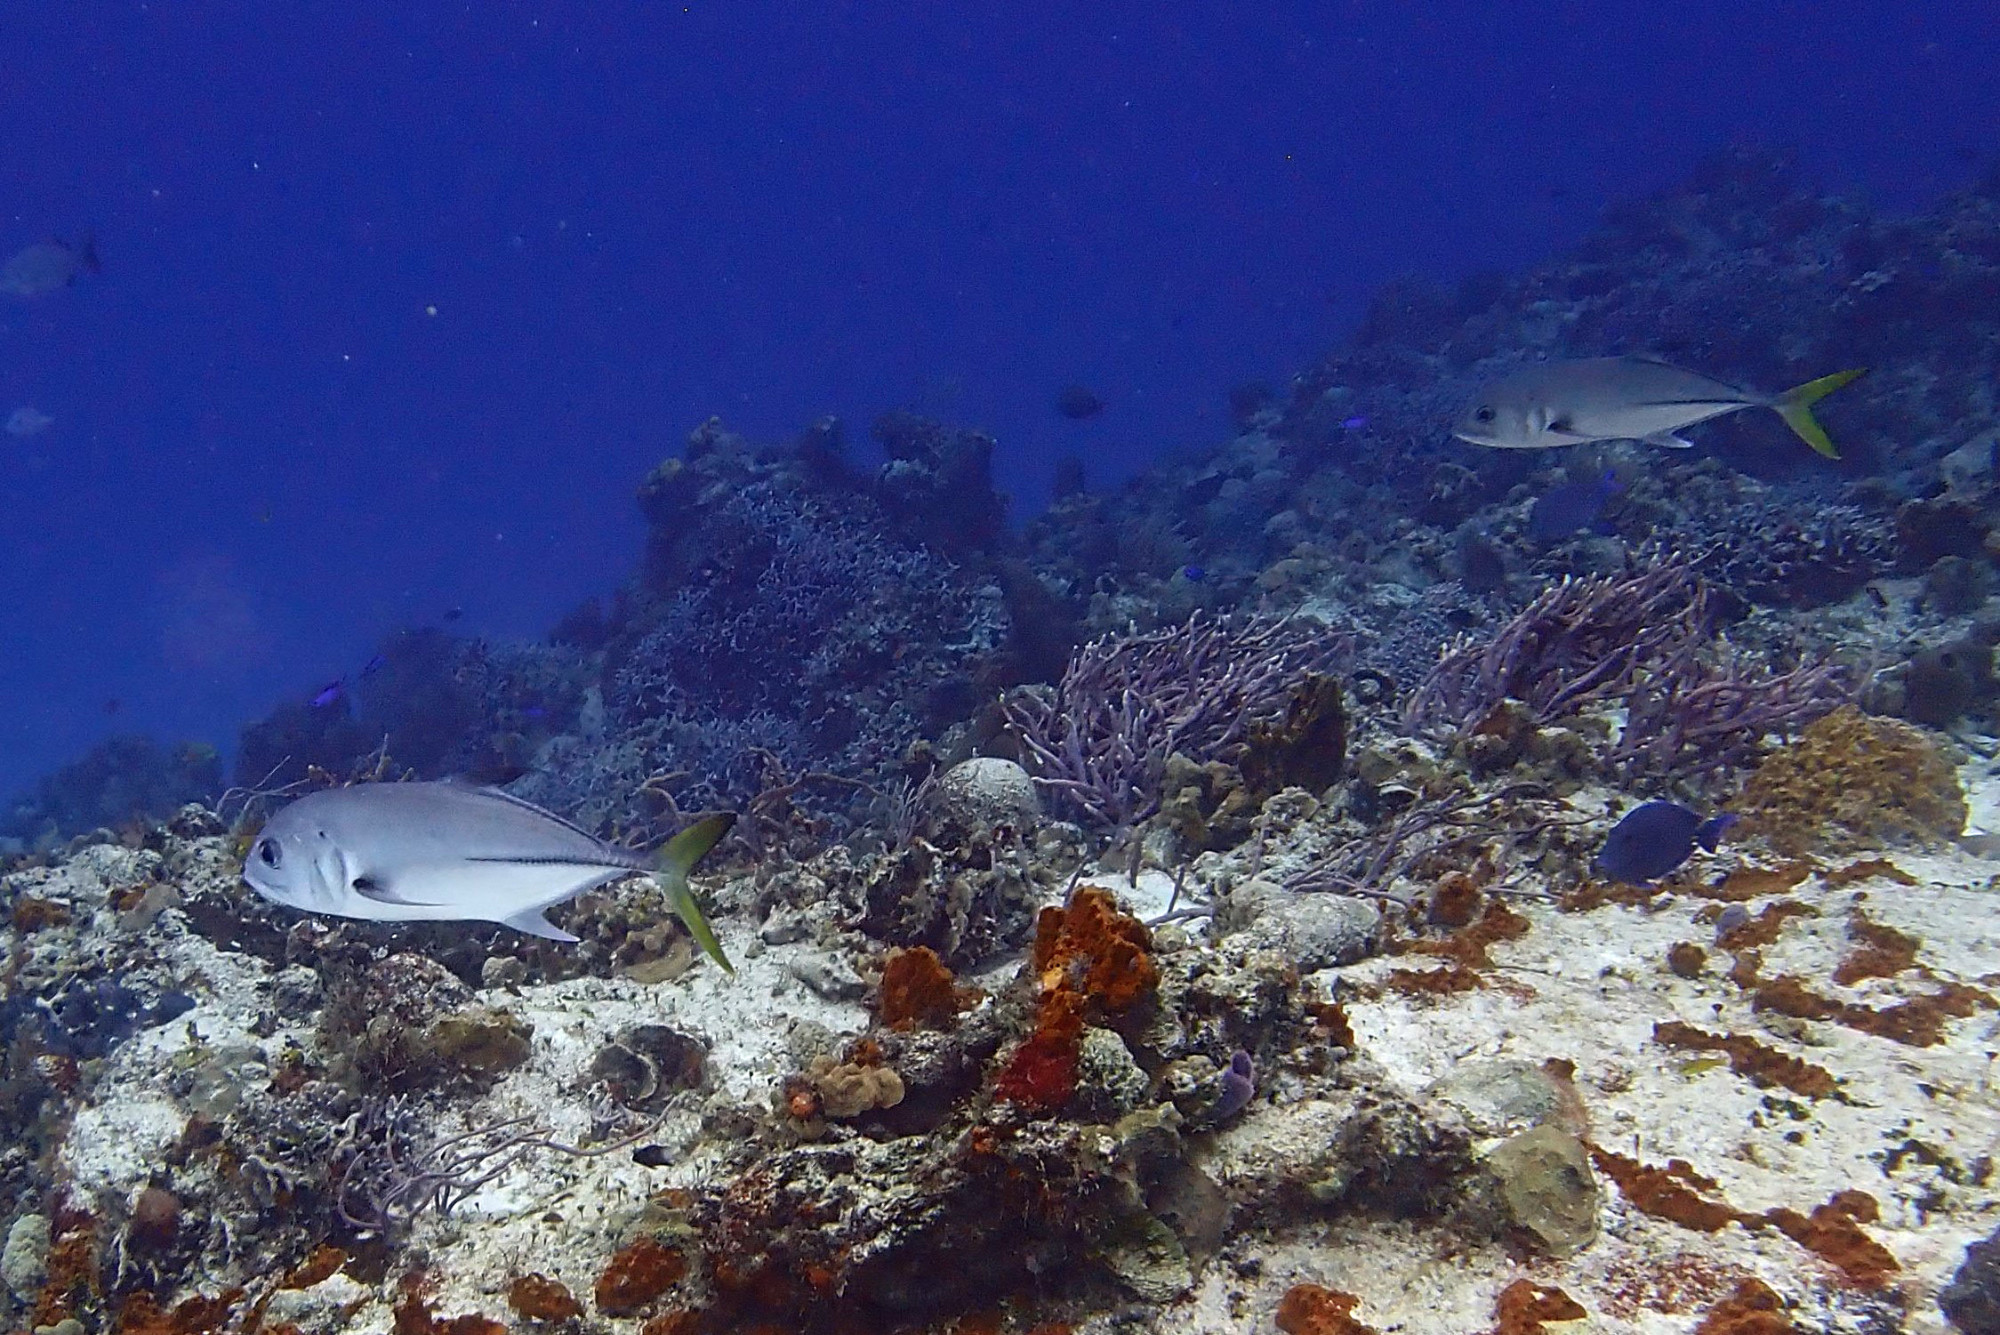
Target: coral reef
(1286,763)
(120,781)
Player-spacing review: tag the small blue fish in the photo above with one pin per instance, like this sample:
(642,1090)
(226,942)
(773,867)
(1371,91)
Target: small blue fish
(1354,423)
(1562,510)
(1656,837)
(374,665)
(1239,1084)
(1194,574)
(328,695)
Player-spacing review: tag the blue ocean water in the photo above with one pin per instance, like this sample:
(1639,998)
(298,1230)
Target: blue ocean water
(398,303)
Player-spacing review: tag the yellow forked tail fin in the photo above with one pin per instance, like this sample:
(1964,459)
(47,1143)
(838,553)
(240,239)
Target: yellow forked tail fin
(677,859)
(1795,406)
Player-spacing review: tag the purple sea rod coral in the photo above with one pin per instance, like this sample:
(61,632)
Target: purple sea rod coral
(1101,738)
(1694,706)
(1581,640)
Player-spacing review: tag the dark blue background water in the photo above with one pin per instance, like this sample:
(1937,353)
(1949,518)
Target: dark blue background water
(267,451)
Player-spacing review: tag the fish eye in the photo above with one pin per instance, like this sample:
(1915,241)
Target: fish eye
(267,852)
(1483,415)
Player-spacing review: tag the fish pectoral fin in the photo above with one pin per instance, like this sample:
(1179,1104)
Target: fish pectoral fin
(379,891)
(533,923)
(1667,440)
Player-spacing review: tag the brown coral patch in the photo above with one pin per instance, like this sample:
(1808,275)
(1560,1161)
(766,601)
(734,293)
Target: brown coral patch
(1309,1309)
(1833,1233)
(1523,1306)
(1917,1023)
(1881,951)
(1672,1193)
(637,1275)
(672,1323)
(1763,929)
(1468,946)
(917,989)
(1103,953)
(198,1315)
(1751,1310)
(1756,882)
(1454,901)
(1762,1065)
(1863,870)
(1466,953)
(1685,959)
(415,1317)
(539,1298)
(71,1269)
(1330,1022)
(321,1263)
(1433,982)
(33,915)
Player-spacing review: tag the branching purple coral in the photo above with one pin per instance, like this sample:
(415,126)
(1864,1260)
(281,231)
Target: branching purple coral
(1692,716)
(1101,739)
(1582,640)
(1693,706)
(392,1170)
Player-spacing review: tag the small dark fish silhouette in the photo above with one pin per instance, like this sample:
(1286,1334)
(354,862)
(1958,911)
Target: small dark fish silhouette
(1656,837)
(374,665)
(1562,510)
(42,268)
(1201,490)
(453,613)
(1239,1084)
(328,695)
(1077,402)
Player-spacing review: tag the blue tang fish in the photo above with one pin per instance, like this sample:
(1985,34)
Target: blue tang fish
(1562,510)
(1656,837)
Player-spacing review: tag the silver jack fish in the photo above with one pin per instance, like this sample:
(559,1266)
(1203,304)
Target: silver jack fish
(1626,398)
(399,852)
